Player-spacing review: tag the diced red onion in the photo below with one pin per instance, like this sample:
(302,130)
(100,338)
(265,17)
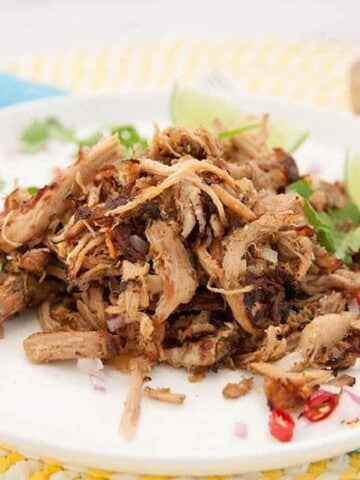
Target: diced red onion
(348,409)
(316,168)
(241,430)
(139,244)
(115,322)
(355,397)
(95,369)
(90,365)
(97,382)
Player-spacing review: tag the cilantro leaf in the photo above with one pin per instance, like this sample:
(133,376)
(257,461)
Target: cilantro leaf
(342,245)
(129,136)
(32,190)
(326,232)
(349,245)
(302,187)
(38,132)
(237,131)
(349,212)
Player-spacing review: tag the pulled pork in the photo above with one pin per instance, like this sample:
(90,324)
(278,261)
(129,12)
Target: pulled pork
(190,254)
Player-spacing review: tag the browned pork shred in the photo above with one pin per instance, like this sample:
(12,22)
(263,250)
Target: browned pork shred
(196,255)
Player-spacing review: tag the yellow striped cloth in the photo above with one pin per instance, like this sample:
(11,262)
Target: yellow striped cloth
(312,72)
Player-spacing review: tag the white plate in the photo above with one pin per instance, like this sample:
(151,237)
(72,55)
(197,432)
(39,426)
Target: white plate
(51,410)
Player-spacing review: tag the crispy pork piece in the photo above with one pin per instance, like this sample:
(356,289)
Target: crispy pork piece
(327,195)
(190,207)
(12,297)
(34,261)
(173,265)
(29,222)
(324,332)
(273,347)
(176,141)
(134,297)
(234,267)
(206,352)
(237,390)
(297,251)
(289,390)
(343,380)
(284,202)
(130,416)
(18,292)
(50,347)
(164,395)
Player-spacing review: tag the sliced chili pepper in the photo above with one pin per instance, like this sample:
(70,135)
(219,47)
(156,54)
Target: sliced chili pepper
(358,298)
(281,425)
(320,406)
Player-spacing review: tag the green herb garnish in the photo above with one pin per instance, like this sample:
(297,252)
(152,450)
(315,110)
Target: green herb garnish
(32,190)
(349,212)
(129,136)
(237,131)
(33,138)
(342,244)
(38,132)
(299,141)
(302,187)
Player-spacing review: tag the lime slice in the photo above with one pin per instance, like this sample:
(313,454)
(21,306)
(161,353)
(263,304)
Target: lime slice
(352,177)
(192,107)
(285,136)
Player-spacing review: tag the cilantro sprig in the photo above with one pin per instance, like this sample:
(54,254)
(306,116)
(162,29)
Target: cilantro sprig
(342,244)
(232,133)
(129,136)
(38,133)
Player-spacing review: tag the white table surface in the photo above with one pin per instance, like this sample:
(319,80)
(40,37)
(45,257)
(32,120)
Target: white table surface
(31,27)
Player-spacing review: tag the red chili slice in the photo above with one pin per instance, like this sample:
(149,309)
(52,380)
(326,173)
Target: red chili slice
(320,406)
(358,298)
(281,425)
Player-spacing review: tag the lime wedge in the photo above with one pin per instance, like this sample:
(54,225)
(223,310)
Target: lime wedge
(192,107)
(352,177)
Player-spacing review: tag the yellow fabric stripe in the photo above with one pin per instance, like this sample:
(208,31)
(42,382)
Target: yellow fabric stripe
(192,64)
(45,473)
(37,68)
(97,474)
(78,68)
(11,459)
(57,69)
(123,70)
(146,65)
(171,58)
(100,68)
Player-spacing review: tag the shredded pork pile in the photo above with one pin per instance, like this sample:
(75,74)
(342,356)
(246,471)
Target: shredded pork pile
(189,254)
